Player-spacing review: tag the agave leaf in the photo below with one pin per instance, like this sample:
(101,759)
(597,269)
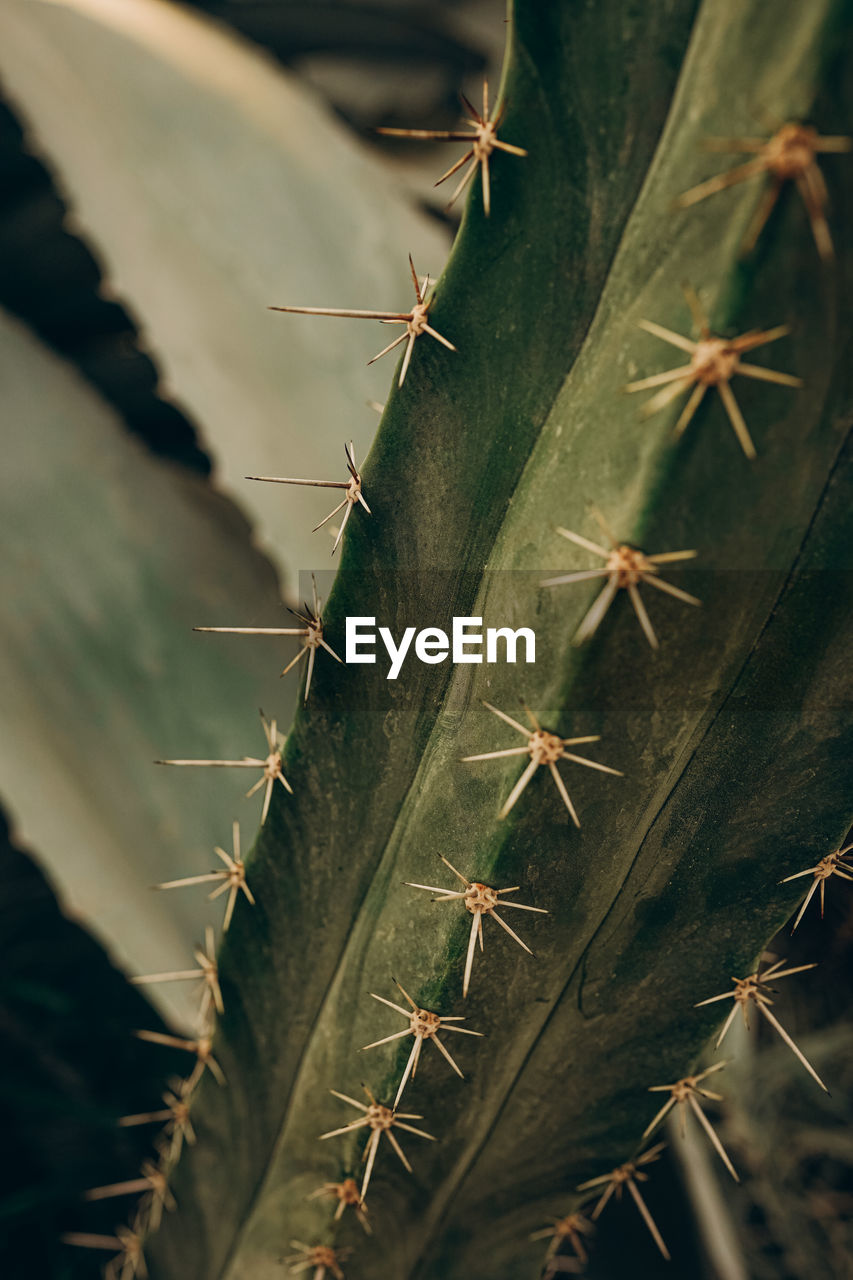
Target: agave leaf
(109,558)
(214,186)
(733,737)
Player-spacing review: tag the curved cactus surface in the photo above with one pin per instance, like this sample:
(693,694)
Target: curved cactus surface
(732,737)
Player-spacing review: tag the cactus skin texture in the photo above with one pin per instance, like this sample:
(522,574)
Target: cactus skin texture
(734,738)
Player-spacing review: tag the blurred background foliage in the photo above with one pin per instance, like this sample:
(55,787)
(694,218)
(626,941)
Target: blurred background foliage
(69,1066)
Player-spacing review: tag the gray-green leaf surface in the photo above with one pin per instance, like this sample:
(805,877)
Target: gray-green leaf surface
(109,558)
(213,185)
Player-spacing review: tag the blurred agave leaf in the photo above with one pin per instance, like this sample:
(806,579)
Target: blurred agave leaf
(426,31)
(382,61)
(51,281)
(419,51)
(213,187)
(110,556)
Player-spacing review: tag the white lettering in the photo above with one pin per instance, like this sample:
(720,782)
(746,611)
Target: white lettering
(432,645)
(397,655)
(462,638)
(511,637)
(354,638)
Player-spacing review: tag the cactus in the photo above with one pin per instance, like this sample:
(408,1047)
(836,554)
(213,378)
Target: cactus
(729,728)
(671,881)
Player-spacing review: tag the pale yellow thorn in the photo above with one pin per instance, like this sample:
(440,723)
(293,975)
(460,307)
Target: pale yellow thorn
(347,1194)
(752,990)
(270,766)
(626,568)
(201,1047)
(353,495)
(481,900)
(684,1093)
(545,748)
(832,864)
(312,632)
(788,156)
(322,1259)
(379,1119)
(423,1025)
(483,140)
(416,322)
(627,1175)
(714,361)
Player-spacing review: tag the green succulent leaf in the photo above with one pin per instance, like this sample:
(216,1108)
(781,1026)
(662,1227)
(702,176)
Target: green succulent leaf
(214,185)
(733,737)
(100,673)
